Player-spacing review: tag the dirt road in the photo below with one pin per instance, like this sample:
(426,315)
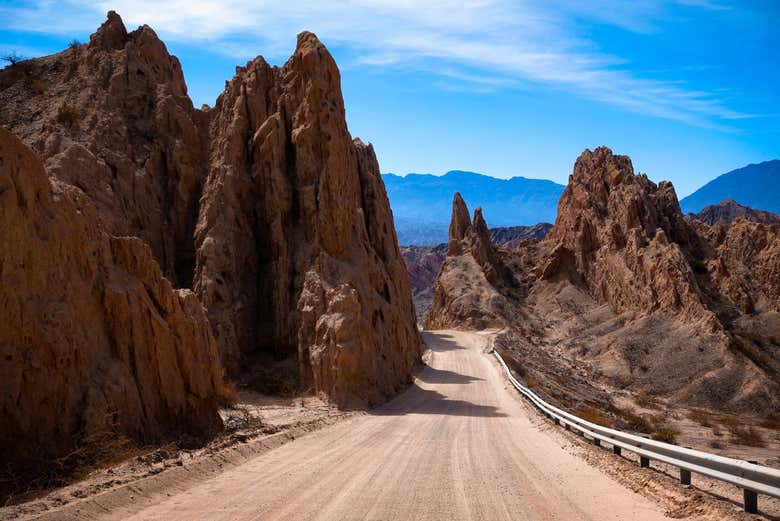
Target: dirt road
(456,445)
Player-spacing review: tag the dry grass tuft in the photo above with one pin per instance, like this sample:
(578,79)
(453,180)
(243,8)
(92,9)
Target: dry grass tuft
(39,85)
(648,401)
(747,436)
(701,417)
(665,433)
(68,115)
(594,416)
(628,419)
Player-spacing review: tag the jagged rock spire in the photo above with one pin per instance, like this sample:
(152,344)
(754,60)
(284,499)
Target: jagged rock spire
(460,222)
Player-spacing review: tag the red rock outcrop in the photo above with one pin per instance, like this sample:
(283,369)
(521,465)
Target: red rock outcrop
(297,253)
(93,339)
(423,263)
(263,205)
(466,293)
(112,117)
(627,236)
(642,299)
(728,211)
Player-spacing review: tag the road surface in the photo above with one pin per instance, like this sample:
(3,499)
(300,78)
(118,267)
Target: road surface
(456,445)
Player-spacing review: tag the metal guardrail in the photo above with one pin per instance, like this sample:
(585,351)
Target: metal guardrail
(753,479)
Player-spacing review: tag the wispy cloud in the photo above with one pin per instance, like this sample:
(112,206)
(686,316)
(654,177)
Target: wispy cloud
(484,44)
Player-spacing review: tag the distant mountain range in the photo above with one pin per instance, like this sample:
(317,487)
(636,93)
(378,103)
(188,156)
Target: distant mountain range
(422,203)
(756,186)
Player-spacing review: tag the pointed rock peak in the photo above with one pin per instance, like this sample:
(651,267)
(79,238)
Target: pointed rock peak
(602,166)
(307,39)
(460,222)
(112,34)
(479,223)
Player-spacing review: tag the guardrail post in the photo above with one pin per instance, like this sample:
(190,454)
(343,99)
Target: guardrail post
(644,462)
(567,427)
(557,421)
(751,501)
(616,450)
(685,477)
(597,442)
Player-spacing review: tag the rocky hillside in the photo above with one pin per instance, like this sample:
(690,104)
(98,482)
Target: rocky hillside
(512,236)
(272,222)
(730,210)
(623,283)
(424,262)
(95,343)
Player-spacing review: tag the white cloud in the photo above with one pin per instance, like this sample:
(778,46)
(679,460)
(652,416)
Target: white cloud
(486,44)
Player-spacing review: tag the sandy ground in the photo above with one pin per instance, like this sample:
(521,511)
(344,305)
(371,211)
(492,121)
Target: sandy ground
(458,444)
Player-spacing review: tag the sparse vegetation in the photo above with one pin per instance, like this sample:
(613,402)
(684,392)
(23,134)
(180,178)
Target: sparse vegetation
(665,433)
(39,85)
(715,444)
(748,436)
(74,45)
(701,417)
(13,58)
(531,382)
(512,362)
(628,419)
(647,401)
(99,448)
(593,415)
(68,115)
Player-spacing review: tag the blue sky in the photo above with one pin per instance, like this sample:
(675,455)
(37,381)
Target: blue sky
(687,88)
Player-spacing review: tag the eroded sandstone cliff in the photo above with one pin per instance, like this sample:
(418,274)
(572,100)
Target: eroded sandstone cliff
(94,340)
(264,205)
(297,253)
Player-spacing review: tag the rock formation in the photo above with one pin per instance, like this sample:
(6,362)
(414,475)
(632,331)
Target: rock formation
(424,262)
(466,290)
(512,236)
(112,118)
(623,283)
(296,250)
(93,339)
(729,210)
(264,205)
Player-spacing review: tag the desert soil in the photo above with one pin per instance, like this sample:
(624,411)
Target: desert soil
(458,444)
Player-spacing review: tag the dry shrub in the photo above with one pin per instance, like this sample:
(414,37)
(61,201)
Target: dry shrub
(512,362)
(715,444)
(647,401)
(531,382)
(665,433)
(701,417)
(747,436)
(98,448)
(594,416)
(68,115)
(39,85)
(628,419)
